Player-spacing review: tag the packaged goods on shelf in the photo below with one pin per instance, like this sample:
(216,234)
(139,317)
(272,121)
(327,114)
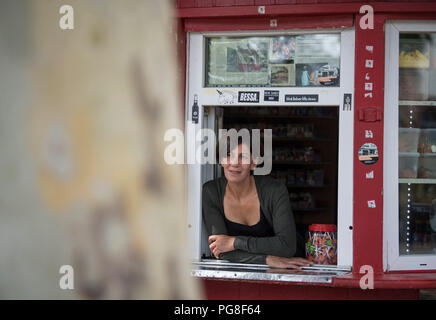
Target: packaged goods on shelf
(318,176)
(414,53)
(309,154)
(408,139)
(300,177)
(408,165)
(427,141)
(413,84)
(297,154)
(302,201)
(432,83)
(299,131)
(310,178)
(290,179)
(427,166)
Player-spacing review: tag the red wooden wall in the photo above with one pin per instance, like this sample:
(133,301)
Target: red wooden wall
(223,3)
(237,290)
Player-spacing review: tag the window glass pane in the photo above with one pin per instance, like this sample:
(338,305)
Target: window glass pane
(288,61)
(417,144)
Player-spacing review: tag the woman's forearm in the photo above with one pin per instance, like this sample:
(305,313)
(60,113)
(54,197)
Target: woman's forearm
(277,245)
(239,256)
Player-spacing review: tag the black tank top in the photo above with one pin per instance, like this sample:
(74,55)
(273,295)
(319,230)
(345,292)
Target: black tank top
(260,229)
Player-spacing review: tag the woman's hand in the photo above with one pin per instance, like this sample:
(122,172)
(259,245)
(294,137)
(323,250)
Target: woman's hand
(288,263)
(221,243)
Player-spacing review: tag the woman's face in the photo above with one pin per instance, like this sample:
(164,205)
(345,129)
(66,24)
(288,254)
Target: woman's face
(285,50)
(275,45)
(238,164)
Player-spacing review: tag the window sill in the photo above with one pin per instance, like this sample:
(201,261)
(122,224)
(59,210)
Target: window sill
(222,269)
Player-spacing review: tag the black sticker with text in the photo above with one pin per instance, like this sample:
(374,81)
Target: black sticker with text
(248,96)
(271,95)
(301,98)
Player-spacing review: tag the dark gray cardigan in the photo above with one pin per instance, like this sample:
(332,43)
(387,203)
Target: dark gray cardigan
(274,201)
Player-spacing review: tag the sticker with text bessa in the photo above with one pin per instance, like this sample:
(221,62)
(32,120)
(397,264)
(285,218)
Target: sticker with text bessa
(248,96)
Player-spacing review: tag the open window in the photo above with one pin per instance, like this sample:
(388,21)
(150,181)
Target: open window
(302,92)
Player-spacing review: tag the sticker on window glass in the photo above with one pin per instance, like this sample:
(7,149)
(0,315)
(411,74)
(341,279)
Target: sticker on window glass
(368,153)
(226,96)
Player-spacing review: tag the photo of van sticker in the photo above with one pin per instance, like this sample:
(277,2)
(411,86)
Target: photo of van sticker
(368,153)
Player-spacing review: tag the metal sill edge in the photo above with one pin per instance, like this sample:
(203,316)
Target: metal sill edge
(221,269)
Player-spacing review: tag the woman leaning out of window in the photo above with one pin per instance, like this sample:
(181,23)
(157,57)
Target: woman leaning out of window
(248,217)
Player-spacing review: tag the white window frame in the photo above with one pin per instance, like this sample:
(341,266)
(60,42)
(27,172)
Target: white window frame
(391,255)
(328,96)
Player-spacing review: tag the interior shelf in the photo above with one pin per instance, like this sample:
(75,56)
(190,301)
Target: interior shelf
(309,209)
(288,139)
(416,103)
(288,162)
(248,117)
(417,181)
(298,186)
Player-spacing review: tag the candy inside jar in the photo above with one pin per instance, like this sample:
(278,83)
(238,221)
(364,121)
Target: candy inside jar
(321,244)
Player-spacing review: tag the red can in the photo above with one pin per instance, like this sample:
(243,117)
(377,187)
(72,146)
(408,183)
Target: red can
(321,244)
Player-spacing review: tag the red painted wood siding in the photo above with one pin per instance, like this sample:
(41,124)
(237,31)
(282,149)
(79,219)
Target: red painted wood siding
(243,290)
(368,220)
(223,3)
(260,23)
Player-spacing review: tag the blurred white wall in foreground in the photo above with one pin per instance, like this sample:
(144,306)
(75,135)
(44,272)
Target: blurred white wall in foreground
(82,178)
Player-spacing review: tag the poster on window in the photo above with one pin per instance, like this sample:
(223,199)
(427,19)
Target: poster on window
(282,50)
(317,60)
(316,74)
(304,61)
(238,61)
(282,75)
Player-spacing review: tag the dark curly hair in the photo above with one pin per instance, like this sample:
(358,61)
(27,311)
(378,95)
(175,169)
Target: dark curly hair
(223,145)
